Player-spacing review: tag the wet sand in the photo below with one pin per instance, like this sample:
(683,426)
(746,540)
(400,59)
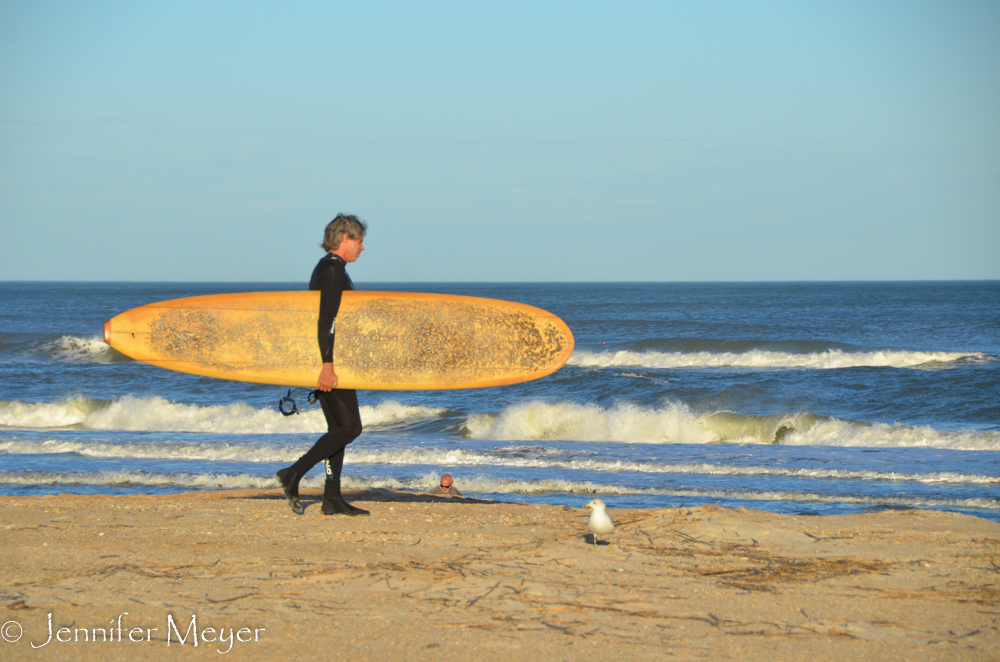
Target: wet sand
(429,577)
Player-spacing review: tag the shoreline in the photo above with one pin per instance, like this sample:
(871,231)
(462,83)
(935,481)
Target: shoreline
(472,579)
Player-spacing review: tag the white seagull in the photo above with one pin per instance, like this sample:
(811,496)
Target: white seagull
(600,522)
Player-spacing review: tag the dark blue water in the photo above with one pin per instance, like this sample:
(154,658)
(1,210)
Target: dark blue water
(809,398)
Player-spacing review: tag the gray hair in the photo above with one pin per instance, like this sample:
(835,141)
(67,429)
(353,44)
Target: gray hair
(344,224)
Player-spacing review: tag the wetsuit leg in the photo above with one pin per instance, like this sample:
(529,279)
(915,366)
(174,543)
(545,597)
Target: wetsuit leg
(334,466)
(343,420)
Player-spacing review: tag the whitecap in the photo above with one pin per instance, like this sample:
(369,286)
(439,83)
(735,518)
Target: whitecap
(769,360)
(675,423)
(155,414)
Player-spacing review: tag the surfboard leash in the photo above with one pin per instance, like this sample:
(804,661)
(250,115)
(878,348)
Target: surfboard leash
(288,403)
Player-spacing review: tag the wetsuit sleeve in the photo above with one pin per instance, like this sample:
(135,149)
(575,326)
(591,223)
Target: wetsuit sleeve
(331,290)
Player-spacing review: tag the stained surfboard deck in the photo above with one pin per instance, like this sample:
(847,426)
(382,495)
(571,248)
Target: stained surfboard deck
(385,340)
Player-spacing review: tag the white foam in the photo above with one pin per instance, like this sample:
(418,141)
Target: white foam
(158,415)
(535,420)
(567,421)
(624,423)
(33,415)
(472,485)
(199,480)
(142,478)
(627,423)
(456,457)
(835,432)
(459,457)
(390,413)
(83,350)
(171,450)
(760,359)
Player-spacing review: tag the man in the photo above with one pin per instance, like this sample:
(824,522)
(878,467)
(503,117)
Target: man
(445,488)
(344,242)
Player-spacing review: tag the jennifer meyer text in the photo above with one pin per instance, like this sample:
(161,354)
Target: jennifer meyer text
(120,631)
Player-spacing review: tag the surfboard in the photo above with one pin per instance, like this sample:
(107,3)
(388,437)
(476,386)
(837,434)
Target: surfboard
(385,340)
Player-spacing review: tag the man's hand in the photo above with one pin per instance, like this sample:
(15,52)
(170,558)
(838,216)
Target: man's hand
(328,379)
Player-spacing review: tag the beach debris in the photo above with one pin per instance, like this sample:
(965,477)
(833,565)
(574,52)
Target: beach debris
(600,523)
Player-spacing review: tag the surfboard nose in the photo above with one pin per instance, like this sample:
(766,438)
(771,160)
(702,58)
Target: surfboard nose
(107,332)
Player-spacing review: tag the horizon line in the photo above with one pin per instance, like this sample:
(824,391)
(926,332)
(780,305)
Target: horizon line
(536,282)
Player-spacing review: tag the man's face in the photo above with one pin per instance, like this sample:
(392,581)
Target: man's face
(350,249)
(445,483)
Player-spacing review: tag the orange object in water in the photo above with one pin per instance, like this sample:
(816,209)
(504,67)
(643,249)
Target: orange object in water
(385,340)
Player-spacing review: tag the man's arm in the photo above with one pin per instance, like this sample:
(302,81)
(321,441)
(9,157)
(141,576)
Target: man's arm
(331,289)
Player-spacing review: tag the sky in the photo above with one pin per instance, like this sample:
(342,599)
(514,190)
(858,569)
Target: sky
(501,141)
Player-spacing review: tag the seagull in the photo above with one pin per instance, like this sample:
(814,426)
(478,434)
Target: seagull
(599,522)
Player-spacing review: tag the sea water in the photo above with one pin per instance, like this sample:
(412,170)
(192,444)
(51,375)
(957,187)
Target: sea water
(806,398)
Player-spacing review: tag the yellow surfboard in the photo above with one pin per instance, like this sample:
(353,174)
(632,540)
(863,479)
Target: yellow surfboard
(385,340)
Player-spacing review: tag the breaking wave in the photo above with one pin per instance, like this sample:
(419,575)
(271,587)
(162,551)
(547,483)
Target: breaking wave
(83,350)
(158,415)
(530,421)
(168,450)
(766,360)
(625,423)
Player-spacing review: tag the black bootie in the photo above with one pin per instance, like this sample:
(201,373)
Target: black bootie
(290,486)
(335,505)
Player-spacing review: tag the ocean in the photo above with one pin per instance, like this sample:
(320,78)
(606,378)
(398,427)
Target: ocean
(799,398)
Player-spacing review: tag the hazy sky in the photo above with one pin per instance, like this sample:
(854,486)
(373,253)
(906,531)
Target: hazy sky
(534,141)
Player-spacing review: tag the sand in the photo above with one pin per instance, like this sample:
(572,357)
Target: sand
(460,579)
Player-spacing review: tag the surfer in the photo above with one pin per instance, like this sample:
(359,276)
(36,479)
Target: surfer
(344,242)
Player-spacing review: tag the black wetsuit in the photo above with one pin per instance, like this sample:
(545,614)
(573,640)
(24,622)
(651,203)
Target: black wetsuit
(340,406)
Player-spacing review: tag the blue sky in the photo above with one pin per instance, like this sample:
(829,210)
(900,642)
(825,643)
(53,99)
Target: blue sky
(576,141)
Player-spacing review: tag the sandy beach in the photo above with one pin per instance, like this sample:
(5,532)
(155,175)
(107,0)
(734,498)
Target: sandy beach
(427,577)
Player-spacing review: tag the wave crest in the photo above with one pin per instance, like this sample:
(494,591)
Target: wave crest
(763,359)
(83,350)
(155,414)
(625,423)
